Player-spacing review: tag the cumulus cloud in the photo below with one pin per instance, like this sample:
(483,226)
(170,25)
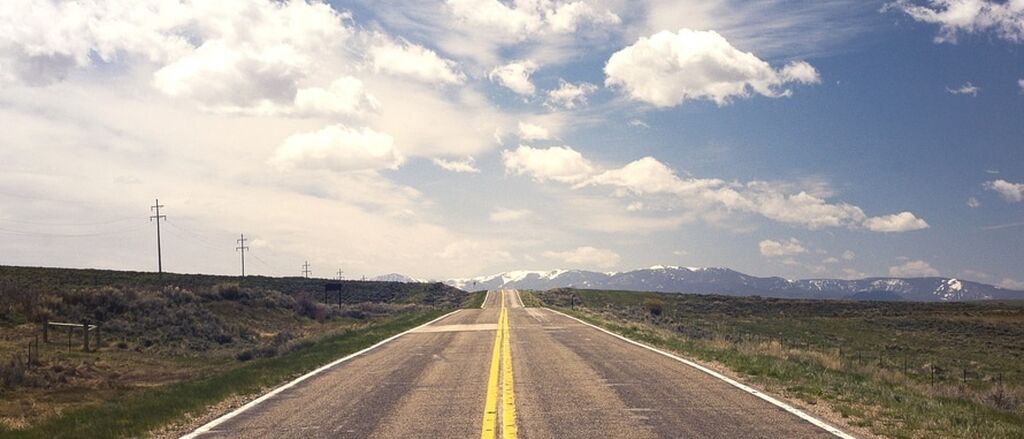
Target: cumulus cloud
(515,76)
(525,18)
(913,269)
(345,96)
(899,222)
(645,177)
(849,255)
(1011,192)
(586,256)
(503,215)
(264,66)
(338,148)
(529,131)
(669,68)
(955,17)
(773,249)
(966,89)
(414,61)
(559,163)
(973,203)
(569,95)
(466,165)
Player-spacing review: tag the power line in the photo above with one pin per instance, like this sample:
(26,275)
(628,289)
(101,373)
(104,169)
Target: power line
(185,233)
(158,217)
(305,270)
(340,277)
(242,248)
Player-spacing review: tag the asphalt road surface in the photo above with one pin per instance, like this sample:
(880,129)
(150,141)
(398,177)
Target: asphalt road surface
(508,371)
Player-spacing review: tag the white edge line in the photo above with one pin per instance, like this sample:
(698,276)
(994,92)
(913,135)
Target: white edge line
(817,422)
(486,295)
(214,423)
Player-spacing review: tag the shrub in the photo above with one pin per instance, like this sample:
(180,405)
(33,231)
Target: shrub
(228,291)
(654,306)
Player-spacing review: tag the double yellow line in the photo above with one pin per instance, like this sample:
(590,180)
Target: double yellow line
(501,364)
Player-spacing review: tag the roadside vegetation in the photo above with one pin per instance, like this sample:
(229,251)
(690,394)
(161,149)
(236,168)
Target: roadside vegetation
(901,370)
(172,346)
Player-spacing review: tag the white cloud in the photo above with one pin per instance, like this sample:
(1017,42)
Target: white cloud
(466,165)
(525,18)
(849,273)
(973,203)
(669,68)
(529,131)
(414,61)
(560,163)
(830,260)
(1020,83)
(638,124)
(806,207)
(586,256)
(569,95)
(262,66)
(503,215)
(1012,284)
(966,89)
(849,255)
(913,269)
(338,148)
(899,222)
(345,96)
(955,17)
(515,76)
(1011,192)
(772,249)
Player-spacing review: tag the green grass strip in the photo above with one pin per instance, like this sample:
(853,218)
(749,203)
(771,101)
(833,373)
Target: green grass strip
(145,411)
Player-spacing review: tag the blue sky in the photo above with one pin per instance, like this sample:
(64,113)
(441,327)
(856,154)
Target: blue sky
(457,138)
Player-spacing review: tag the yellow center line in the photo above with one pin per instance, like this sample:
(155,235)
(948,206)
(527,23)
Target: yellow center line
(508,413)
(502,350)
(490,424)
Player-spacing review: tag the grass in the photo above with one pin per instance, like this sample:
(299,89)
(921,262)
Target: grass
(167,339)
(476,299)
(871,363)
(151,409)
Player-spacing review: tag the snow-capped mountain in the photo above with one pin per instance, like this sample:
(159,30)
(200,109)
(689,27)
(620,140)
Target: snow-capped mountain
(395,277)
(715,280)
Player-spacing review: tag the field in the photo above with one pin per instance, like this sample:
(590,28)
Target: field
(902,370)
(170,346)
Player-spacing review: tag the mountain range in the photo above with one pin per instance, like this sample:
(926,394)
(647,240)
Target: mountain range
(703,280)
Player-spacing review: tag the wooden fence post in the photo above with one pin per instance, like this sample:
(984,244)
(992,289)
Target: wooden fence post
(46,330)
(85,335)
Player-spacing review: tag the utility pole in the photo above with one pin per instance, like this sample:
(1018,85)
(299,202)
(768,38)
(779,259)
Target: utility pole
(158,217)
(241,249)
(340,277)
(305,270)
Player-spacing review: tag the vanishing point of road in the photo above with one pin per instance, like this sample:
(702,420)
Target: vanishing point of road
(507,371)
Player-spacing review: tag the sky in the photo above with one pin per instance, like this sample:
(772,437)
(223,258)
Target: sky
(457,138)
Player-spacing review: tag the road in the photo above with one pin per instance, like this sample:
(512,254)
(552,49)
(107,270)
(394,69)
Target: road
(509,371)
